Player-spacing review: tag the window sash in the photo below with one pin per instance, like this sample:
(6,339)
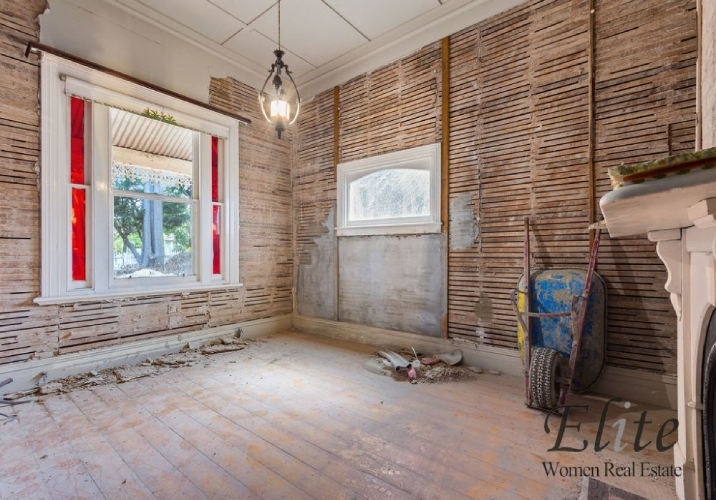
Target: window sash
(420,158)
(195,245)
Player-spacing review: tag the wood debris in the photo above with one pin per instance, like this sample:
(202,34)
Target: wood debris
(223,344)
(188,356)
(127,373)
(431,370)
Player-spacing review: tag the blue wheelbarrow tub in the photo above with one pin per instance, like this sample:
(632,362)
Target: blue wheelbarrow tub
(551,291)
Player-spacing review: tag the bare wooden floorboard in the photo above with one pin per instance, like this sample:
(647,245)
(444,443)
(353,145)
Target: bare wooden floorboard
(155,471)
(297,416)
(114,477)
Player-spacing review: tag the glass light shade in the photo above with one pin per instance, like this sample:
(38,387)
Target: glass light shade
(280,109)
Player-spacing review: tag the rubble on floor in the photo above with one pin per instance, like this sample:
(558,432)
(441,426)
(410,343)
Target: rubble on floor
(7,417)
(188,356)
(440,367)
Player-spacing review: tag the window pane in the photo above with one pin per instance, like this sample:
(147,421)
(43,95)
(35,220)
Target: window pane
(77,141)
(216,232)
(79,243)
(390,194)
(151,156)
(152,238)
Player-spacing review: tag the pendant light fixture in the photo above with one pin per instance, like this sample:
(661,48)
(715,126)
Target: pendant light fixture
(280,103)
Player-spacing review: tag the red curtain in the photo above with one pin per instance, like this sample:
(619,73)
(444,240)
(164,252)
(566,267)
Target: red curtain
(216,223)
(78,235)
(77,141)
(77,176)
(215,169)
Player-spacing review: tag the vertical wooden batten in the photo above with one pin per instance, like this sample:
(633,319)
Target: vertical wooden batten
(444,169)
(591,125)
(336,128)
(336,156)
(699,73)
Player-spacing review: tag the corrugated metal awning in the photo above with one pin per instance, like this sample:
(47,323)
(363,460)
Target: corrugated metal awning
(140,133)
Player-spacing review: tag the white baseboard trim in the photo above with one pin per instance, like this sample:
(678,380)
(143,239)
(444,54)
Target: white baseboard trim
(26,375)
(631,385)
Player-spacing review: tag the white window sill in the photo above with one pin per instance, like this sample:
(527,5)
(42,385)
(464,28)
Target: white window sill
(388,229)
(84,296)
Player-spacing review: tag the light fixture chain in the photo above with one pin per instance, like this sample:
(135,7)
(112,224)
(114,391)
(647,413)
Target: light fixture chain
(279,24)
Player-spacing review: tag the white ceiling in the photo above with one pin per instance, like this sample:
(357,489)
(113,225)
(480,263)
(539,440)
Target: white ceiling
(326,41)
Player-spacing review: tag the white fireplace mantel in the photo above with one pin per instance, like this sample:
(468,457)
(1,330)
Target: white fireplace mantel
(678,213)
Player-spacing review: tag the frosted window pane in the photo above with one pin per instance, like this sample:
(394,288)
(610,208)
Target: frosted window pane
(388,194)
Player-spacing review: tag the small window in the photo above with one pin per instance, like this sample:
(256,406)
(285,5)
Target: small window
(395,193)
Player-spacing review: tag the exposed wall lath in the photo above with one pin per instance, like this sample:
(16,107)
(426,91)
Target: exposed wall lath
(526,135)
(645,69)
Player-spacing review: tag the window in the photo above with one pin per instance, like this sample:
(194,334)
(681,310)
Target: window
(139,189)
(395,193)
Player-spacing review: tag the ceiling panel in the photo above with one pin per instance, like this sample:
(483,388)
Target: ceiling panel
(200,16)
(392,13)
(244,10)
(327,42)
(256,47)
(310,29)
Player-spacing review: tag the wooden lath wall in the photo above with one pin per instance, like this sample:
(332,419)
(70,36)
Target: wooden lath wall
(30,331)
(20,332)
(528,135)
(393,108)
(265,204)
(645,109)
(314,188)
(519,112)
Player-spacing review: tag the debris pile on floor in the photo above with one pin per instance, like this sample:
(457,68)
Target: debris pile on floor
(8,417)
(188,356)
(440,367)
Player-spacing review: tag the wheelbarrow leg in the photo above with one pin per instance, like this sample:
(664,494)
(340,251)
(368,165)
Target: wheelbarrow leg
(579,314)
(526,324)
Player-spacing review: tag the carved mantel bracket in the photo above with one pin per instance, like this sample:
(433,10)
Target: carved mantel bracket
(668,248)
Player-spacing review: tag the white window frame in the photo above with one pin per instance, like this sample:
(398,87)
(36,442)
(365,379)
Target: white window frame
(421,158)
(60,79)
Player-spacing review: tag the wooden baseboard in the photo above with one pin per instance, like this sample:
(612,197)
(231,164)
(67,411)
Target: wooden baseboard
(489,358)
(631,385)
(27,374)
(635,385)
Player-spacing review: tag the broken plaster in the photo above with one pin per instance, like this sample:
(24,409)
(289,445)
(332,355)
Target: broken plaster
(464,229)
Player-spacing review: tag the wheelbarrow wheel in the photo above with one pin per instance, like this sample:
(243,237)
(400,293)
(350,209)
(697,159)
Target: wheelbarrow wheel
(545,376)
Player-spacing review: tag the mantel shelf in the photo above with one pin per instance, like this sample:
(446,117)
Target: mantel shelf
(657,204)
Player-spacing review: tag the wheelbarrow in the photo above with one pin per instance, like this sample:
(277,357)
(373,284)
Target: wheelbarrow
(561,316)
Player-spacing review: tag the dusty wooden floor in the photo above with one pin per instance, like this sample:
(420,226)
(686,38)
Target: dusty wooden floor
(296,416)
